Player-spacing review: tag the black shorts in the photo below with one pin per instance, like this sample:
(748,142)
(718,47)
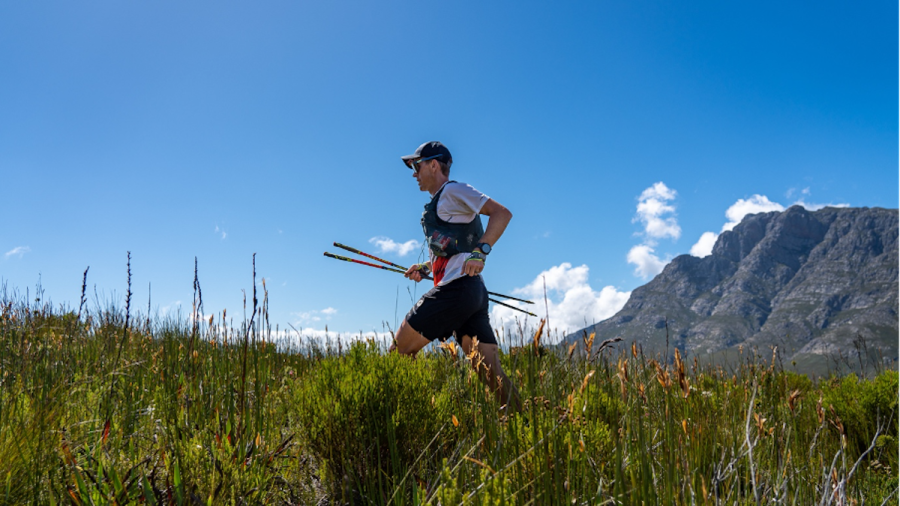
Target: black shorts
(460,307)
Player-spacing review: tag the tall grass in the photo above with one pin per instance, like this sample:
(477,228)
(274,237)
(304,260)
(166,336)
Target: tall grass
(97,409)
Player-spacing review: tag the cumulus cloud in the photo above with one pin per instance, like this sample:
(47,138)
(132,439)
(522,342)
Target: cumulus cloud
(735,213)
(704,246)
(387,245)
(656,213)
(646,263)
(572,302)
(18,251)
(755,204)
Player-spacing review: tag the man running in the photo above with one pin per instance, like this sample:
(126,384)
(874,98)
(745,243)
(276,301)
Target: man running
(458,247)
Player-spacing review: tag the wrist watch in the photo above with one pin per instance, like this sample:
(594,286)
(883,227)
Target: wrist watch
(484,247)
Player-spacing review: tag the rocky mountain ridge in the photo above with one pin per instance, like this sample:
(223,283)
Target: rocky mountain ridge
(816,284)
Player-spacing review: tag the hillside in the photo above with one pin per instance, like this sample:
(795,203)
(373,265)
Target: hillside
(819,285)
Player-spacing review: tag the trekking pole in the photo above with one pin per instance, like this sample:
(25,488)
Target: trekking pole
(512,307)
(338,257)
(373,257)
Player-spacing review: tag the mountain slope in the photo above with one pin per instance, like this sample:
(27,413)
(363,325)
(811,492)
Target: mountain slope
(810,283)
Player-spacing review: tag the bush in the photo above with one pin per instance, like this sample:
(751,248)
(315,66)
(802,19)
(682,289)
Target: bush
(367,418)
(863,405)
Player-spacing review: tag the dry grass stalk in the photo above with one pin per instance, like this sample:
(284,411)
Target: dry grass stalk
(537,336)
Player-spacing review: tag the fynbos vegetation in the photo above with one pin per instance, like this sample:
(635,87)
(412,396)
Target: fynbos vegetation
(95,409)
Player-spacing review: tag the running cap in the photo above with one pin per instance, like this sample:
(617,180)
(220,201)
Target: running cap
(433,149)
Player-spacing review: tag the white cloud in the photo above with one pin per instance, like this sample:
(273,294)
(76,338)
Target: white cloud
(17,251)
(813,207)
(652,210)
(704,246)
(387,245)
(753,205)
(175,306)
(322,337)
(735,213)
(572,303)
(657,214)
(315,315)
(647,264)
(816,207)
(221,232)
(198,316)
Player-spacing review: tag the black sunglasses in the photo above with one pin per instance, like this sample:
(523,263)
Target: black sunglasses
(414,165)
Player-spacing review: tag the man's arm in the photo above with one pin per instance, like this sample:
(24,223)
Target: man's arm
(414,272)
(499,217)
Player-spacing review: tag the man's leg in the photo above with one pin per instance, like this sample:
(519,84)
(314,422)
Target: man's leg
(407,341)
(491,373)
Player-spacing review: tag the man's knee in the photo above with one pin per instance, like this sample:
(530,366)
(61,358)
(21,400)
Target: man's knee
(408,341)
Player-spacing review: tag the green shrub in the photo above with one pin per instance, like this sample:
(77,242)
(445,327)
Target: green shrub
(367,417)
(863,405)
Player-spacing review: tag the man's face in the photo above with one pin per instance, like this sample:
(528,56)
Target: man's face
(424,173)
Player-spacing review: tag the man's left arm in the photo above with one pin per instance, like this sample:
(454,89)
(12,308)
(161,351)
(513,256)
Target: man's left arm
(498,219)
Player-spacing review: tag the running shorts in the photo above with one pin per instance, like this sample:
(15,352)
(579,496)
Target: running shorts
(458,308)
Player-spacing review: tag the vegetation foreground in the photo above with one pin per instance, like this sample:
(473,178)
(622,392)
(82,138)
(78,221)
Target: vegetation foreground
(105,407)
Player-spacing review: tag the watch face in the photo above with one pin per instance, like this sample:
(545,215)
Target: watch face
(485,248)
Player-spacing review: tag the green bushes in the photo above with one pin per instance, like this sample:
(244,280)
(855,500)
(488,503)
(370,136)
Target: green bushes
(368,417)
(180,414)
(860,406)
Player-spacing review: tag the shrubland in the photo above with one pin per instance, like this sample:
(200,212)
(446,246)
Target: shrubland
(107,406)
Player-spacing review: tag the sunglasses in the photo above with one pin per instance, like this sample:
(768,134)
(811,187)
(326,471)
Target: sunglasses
(414,165)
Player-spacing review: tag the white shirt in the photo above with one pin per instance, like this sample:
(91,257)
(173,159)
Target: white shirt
(459,203)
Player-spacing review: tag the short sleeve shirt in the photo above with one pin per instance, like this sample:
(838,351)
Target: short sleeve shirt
(459,203)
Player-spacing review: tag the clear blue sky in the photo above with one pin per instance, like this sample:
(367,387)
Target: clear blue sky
(220,129)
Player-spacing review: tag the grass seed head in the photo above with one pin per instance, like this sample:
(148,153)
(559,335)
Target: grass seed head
(537,336)
(587,378)
(792,399)
(572,350)
(589,342)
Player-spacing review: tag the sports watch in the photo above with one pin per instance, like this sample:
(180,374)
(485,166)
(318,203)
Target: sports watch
(484,248)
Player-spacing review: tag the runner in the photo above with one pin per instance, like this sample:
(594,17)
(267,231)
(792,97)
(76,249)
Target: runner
(458,247)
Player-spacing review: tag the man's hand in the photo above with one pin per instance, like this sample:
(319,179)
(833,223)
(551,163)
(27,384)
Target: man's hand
(475,264)
(415,272)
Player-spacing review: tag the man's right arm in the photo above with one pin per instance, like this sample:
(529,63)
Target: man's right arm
(498,219)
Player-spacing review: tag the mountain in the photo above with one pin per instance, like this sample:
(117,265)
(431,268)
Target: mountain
(819,285)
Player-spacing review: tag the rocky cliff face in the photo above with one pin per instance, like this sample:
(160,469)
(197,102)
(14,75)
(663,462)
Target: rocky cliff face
(811,283)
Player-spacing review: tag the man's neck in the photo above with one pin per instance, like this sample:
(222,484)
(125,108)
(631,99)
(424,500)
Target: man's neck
(438,183)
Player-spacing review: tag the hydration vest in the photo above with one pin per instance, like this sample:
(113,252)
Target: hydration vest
(446,239)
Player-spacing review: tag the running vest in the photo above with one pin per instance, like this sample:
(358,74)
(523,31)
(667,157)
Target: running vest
(446,239)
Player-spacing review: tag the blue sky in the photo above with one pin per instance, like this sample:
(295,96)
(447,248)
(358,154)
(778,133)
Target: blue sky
(617,133)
